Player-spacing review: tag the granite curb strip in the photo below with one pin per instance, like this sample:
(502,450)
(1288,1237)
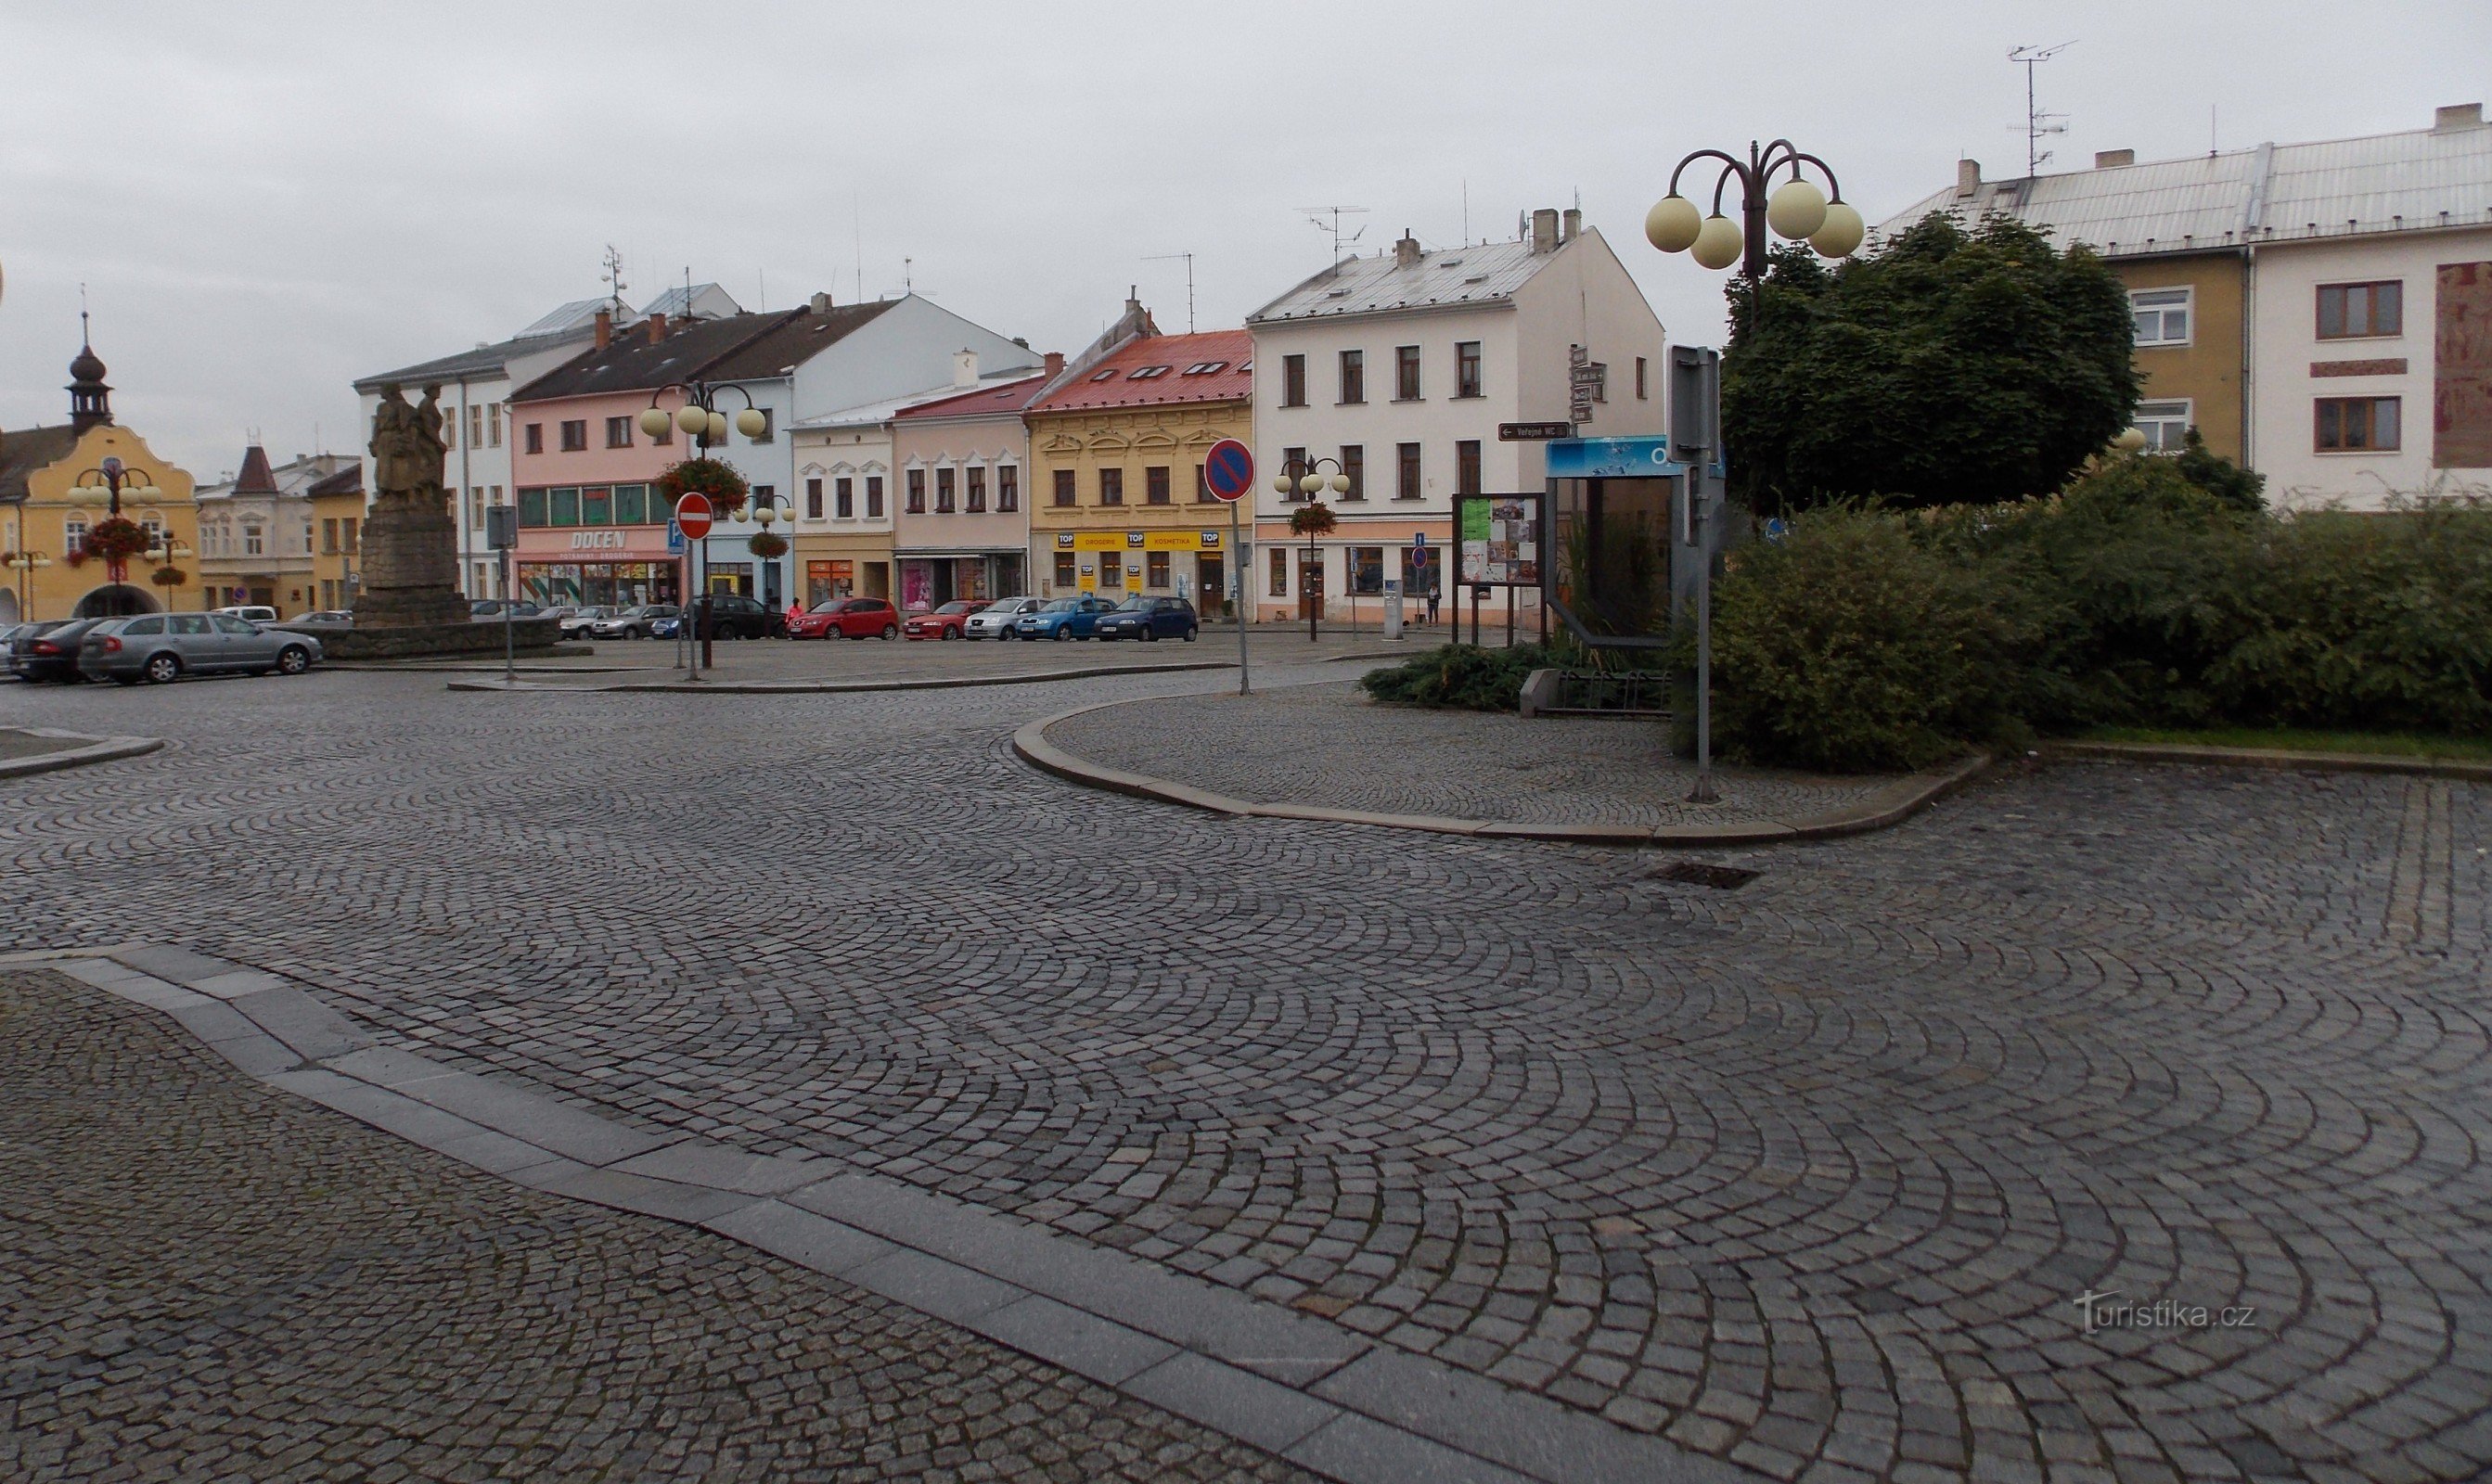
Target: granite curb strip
(1889,805)
(2279,759)
(97,750)
(843,687)
(1309,1391)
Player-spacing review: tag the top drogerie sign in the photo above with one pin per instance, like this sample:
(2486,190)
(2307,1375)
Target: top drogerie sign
(1229,469)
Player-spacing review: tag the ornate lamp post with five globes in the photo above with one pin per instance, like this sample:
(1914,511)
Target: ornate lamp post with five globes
(1797,210)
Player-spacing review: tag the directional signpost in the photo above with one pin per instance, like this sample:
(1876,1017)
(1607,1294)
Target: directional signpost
(1229,469)
(693,518)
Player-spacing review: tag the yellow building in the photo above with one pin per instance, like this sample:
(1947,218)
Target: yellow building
(50,482)
(1118,503)
(338,505)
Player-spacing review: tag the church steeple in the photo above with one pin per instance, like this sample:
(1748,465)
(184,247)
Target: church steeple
(90,400)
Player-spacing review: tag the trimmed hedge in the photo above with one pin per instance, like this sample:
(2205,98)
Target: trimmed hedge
(1463,677)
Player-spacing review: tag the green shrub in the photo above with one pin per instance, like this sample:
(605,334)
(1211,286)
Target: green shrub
(1465,676)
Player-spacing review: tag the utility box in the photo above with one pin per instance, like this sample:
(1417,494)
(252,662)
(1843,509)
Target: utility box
(502,527)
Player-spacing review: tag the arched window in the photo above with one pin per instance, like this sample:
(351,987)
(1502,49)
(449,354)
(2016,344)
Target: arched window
(74,534)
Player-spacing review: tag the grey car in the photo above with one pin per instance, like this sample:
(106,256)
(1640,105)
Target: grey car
(161,647)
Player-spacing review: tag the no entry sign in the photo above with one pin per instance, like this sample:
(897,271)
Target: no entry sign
(692,516)
(1228,468)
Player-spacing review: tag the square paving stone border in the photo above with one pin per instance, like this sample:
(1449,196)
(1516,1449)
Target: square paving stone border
(1316,1393)
(77,748)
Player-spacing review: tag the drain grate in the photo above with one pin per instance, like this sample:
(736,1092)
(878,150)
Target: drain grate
(1700,874)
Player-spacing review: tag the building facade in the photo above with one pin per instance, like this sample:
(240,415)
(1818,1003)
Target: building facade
(962,460)
(258,533)
(1395,372)
(1118,503)
(41,519)
(338,504)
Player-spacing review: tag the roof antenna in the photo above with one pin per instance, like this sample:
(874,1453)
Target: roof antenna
(614,285)
(1328,217)
(85,340)
(2036,122)
(907,283)
(1189,283)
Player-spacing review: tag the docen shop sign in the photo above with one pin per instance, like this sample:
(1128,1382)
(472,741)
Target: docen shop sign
(609,542)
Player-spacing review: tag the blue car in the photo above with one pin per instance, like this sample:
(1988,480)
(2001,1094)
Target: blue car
(667,627)
(1064,618)
(1140,617)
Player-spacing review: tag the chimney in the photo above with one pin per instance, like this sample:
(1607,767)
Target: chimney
(1406,252)
(657,328)
(964,368)
(1573,224)
(822,304)
(1968,176)
(1054,364)
(2105,158)
(605,328)
(2453,116)
(1544,229)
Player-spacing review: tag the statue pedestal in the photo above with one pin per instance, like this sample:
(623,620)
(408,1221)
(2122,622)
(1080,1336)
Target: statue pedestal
(410,562)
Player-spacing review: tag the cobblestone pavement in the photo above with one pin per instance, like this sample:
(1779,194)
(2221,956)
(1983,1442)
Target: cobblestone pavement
(1320,744)
(1808,1175)
(201,1278)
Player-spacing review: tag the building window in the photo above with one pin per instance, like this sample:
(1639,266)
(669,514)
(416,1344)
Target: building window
(574,435)
(1064,488)
(2165,425)
(254,541)
(1367,570)
(2366,424)
(1405,373)
(1467,369)
(596,506)
(632,505)
(916,492)
(1155,485)
(329,536)
(1294,381)
(1467,466)
(1406,479)
(844,497)
(1111,487)
(2361,310)
(349,527)
(493,424)
(450,431)
(535,440)
(769,426)
(1008,487)
(1644,382)
(1155,570)
(1294,463)
(563,507)
(976,491)
(666,433)
(1353,376)
(1353,467)
(1203,494)
(74,534)
(874,497)
(812,499)
(944,490)
(1065,574)
(619,432)
(532,508)
(1279,586)
(475,507)
(2161,316)
(497,494)
(475,426)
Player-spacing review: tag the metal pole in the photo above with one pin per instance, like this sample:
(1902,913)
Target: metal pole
(510,669)
(1509,617)
(1310,586)
(1704,792)
(1238,607)
(709,659)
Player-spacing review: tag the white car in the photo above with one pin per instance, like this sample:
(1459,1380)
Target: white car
(251,612)
(995,620)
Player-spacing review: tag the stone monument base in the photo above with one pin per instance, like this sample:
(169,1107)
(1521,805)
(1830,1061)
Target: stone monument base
(463,639)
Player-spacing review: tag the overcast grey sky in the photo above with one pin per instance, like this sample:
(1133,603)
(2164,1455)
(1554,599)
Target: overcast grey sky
(266,200)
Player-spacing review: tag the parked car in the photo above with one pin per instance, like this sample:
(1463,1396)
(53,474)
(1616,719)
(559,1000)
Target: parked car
(995,620)
(326,621)
(637,622)
(577,623)
(254,612)
(849,618)
(51,652)
(16,634)
(732,615)
(163,648)
(1140,617)
(489,610)
(1065,618)
(669,626)
(945,622)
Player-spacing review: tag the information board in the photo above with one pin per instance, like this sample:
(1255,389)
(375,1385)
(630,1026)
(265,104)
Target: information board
(1501,540)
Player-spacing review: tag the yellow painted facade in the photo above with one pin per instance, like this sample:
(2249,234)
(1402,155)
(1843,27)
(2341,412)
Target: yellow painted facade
(47,522)
(2206,370)
(336,547)
(1175,549)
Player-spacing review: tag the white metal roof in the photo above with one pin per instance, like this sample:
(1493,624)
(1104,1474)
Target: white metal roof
(1486,272)
(2273,193)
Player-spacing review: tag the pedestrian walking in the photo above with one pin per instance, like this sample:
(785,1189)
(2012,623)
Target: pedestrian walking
(1432,601)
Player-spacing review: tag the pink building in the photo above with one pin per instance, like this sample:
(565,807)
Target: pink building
(963,529)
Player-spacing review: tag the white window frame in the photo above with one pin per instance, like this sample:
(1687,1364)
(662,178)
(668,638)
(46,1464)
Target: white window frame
(2166,422)
(2163,303)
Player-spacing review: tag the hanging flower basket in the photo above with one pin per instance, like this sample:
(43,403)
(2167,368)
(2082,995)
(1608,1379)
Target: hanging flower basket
(170,577)
(76,556)
(766,546)
(117,539)
(712,477)
(1316,520)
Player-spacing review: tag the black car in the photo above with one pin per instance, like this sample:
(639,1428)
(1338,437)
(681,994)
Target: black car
(52,654)
(732,615)
(1141,617)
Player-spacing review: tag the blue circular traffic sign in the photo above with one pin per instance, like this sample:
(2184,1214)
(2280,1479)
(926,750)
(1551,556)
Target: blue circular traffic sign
(1229,469)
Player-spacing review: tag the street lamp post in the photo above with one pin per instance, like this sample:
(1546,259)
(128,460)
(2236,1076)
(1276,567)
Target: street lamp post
(767,514)
(106,482)
(701,422)
(1794,209)
(22,563)
(1301,476)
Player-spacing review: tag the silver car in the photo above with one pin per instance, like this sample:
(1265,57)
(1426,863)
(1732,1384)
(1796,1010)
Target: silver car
(995,620)
(162,648)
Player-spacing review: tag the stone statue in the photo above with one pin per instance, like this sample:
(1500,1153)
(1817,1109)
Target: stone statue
(405,456)
(410,544)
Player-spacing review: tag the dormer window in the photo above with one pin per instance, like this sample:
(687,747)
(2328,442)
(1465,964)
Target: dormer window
(1110,374)
(1204,367)
(1146,372)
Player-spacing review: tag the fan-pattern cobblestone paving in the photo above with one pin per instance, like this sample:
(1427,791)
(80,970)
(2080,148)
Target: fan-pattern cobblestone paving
(1807,1174)
(1327,744)
(202,1278)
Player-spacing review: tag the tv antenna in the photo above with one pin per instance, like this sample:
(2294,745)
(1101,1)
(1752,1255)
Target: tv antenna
(1167,257)
(2036,122)
(614,281)
(1328,219)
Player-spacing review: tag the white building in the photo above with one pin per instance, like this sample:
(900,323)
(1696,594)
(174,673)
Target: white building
(1396,371)
(255,531)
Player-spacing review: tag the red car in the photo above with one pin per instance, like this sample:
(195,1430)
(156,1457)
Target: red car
(950,621)
(851,617)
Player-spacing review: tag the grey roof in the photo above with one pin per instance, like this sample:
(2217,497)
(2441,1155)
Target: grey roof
(632,363)
(570,318)
(805,334)
(482,364)
(1489,273)
(706,301)
(23,451)
(2275,193)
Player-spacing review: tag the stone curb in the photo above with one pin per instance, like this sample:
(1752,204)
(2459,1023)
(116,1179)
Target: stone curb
(98,750)
(1889,805)
(1304,1388)
(2276,758)
(840,687)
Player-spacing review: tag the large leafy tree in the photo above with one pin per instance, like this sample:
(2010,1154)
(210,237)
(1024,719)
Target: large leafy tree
(1953,366)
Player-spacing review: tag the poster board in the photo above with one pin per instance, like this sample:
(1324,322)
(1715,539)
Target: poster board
(1500,540)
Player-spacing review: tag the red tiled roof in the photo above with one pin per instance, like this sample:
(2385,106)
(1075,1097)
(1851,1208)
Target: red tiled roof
(1111,382)
(1011,397)
(256,477)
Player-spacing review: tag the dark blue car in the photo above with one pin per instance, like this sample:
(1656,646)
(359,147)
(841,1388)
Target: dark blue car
(1140,617)
(1064,618)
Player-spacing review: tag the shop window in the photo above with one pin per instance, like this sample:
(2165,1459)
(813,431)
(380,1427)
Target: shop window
(1155,484)
(532,508)
(1155,567)
(944,490)
(1065,574)
(974,494)
(1111,487)
(844,497)
(632,504)
(1008,488)
(2361,310)
(2366,424)
(564,507)
(596,506)
(1367,570)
